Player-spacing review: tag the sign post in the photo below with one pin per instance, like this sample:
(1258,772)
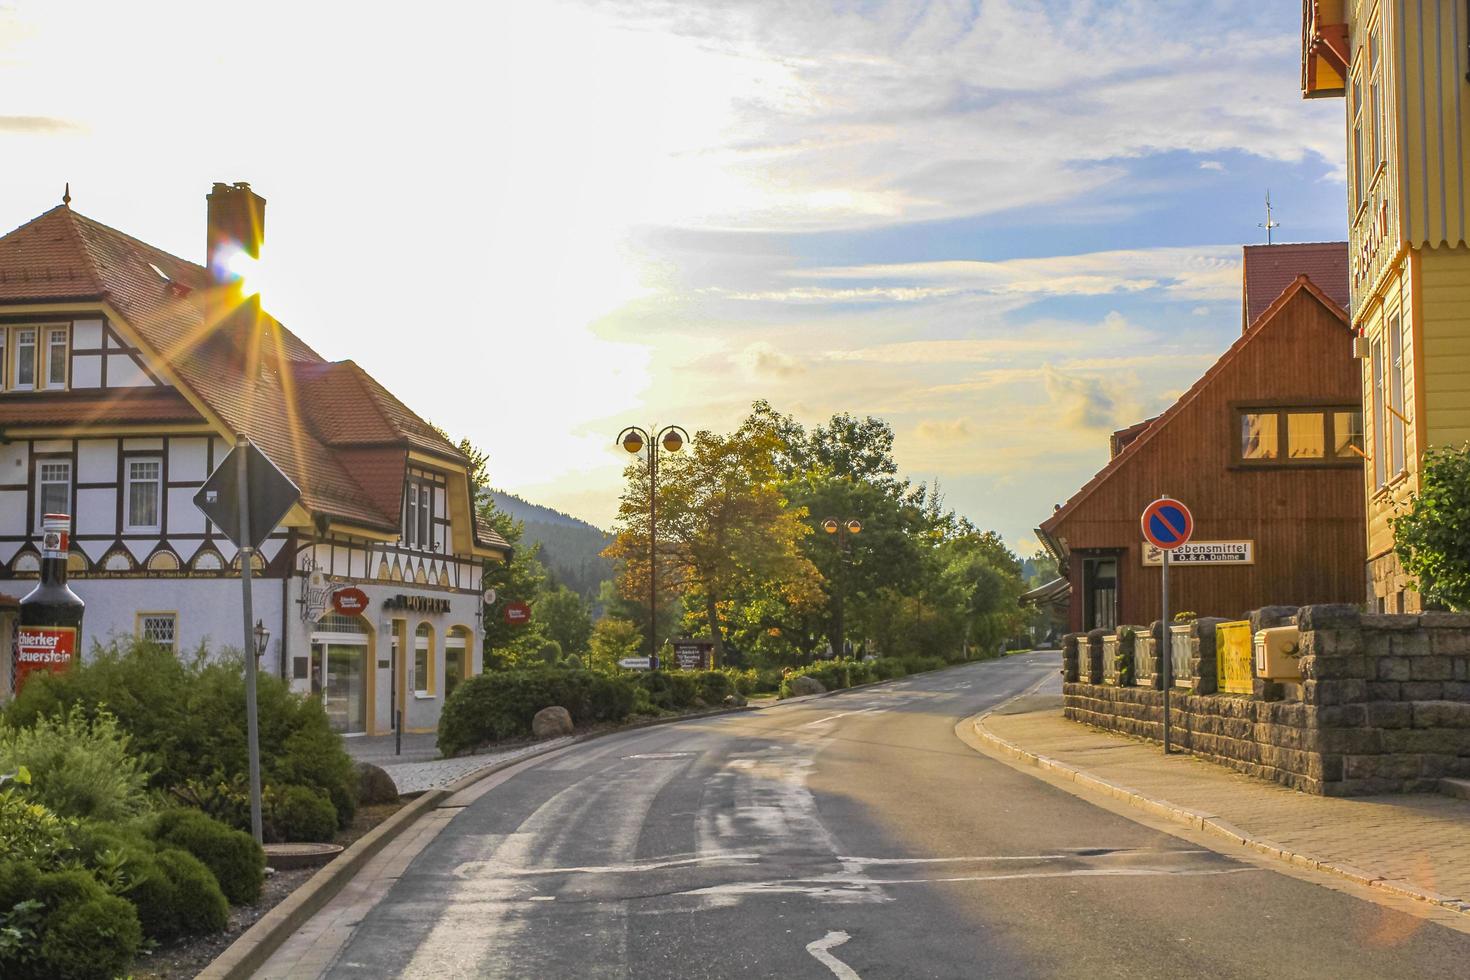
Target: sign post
(247,517)
(1167,524)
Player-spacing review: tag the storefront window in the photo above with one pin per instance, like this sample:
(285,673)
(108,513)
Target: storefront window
(339,671)
(456,658)
(423,659)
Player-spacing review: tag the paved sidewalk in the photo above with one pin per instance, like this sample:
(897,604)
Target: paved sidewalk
(1416,845)
(419,768)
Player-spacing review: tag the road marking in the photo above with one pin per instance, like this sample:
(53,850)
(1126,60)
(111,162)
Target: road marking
(819,949)
(479,868)
(660,755)
(840,714)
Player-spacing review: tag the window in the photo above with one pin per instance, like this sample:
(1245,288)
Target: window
(3,362)
(25,359)
(1257,436)
(53,488)
(1299,436)
(423,659)
(144,493)
(1395,405)
(158,628)
(1380,454)
(1375,101)
(1357,140)
(418,511)
(56,358)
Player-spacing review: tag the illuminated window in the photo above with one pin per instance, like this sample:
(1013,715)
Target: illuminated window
(1257,436)
(1301,436)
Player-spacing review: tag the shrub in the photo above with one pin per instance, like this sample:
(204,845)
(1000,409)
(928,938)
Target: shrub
(714,686)
(302,814)
(31,833)
(79,767)
(495,706)
(199,905)
(670,690)
(69,927)
(888,668)
(237,862)
(920,665)
(187,716)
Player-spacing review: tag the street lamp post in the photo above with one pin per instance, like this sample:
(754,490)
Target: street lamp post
(842,532)
(634,439)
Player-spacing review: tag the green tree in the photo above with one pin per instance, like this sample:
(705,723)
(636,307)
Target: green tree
(612,640)
(564,618)
(1432,537)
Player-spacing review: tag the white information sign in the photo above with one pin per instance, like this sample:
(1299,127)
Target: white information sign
(1204,553)
(635,663)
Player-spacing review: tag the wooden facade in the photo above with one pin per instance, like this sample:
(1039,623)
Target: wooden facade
(1401,68)
(1303,516)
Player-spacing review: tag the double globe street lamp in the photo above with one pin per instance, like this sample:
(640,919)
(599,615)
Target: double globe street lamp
(634,440)
(842,532)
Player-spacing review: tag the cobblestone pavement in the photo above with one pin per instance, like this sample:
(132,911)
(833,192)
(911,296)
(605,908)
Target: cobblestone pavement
(1420,840)
(419,768)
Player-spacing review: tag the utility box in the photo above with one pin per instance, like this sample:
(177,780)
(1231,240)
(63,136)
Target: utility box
(1278,653)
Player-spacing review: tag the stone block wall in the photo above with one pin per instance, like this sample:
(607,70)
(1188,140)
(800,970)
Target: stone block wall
(1384,705)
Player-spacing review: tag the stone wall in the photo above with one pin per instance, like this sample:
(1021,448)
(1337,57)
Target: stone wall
(1384,704)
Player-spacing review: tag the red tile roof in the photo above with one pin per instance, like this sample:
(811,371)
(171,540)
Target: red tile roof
(126,405)
(1268,270)
(252,373)
(1156,425)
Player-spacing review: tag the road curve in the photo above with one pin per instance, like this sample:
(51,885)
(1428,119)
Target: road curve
(853,836)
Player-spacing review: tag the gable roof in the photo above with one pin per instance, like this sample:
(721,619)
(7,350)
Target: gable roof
(1267,271)
(1301,284)
(252,373)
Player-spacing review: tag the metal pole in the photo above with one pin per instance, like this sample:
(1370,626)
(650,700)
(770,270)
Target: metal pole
(652,552)
(247,553)
(1167,659)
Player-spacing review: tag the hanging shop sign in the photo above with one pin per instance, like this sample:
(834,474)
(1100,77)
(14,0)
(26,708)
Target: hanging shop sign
(1204,553)
(43,648)
(516,614)
(417,603)
(350,601)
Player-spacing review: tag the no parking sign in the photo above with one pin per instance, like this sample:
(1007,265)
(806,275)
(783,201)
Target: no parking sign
(1167,524)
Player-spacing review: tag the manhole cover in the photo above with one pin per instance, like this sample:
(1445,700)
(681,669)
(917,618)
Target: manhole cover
(283,857)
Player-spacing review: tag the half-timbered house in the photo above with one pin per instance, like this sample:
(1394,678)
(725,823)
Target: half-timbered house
(127,375)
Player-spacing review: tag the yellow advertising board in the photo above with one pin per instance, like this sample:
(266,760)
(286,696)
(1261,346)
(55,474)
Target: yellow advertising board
(1233,673)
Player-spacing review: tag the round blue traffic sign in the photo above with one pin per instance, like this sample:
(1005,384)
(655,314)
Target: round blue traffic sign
(1167,523)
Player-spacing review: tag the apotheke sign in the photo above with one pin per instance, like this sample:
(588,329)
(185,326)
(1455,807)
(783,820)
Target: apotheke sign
(1204,553)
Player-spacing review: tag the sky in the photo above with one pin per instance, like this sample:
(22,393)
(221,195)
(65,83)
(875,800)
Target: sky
(1006,227)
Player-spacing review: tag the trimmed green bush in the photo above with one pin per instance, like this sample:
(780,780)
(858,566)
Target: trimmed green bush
(500,705)
(714,686)
(303,814)
(74,930)
(888,668)
(237,862)
(200,906)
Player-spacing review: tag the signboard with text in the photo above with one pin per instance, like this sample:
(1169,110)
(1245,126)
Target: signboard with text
(38,648)
(1204,553)
(350,601)
(517,614)
(693,654)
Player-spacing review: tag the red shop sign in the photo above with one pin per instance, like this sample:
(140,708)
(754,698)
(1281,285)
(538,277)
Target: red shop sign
(40,648)
(350,601)
(517,614)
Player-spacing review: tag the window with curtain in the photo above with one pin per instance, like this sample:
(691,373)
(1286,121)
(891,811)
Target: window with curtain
(144,494)
(1299,436)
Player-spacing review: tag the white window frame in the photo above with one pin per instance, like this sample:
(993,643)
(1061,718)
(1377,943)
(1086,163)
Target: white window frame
(18,346)
(173,622)
(52,333)
(4,358)
(129,481)
(41,483)
(423,643)
(411,514)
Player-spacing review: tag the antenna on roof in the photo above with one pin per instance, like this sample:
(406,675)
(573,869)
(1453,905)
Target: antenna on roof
(1269,224)
(66,195)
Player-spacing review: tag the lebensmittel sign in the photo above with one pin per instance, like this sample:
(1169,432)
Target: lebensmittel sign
(37,648)
(1204,553)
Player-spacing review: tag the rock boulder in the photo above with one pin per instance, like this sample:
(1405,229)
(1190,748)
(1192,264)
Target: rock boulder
(802,684)
(374,785)
(552,722)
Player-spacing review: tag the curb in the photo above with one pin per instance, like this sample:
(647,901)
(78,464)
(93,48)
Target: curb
(255,945)
(995,745)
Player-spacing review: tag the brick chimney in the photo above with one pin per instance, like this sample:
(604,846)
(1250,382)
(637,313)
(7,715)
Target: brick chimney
(236,223)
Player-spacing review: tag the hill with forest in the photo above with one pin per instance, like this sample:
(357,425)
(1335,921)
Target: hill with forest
(571,548)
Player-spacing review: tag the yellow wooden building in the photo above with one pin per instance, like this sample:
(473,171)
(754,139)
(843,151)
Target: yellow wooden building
(1401,67)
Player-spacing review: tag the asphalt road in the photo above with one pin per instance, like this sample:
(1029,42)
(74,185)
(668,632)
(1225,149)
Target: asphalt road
(851,836)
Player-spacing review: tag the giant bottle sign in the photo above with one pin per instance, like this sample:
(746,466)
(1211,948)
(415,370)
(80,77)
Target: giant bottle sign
(49,633)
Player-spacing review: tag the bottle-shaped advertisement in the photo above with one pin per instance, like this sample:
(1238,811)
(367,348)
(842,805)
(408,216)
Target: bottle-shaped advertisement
(50,631)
